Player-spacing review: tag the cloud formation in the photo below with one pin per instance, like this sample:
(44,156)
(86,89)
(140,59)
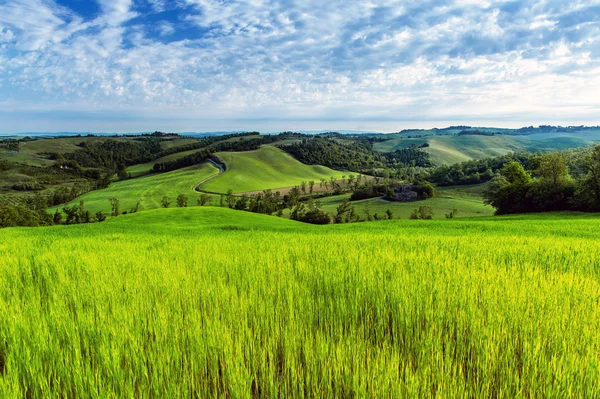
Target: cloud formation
(395,61)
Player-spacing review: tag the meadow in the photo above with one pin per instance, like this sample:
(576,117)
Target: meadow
(149,189)
(210,302)
(466,200)
(267,167)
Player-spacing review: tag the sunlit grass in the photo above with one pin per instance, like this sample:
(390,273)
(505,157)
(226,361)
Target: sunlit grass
(204,302)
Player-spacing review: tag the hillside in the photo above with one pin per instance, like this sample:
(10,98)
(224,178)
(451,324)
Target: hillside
(268,167)
(451,149)
(150,189)
(144,304)
(465,199)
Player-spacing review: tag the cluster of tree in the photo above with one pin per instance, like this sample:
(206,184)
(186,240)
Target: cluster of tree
(411,156)
(109,154)
(310,212)
(423,213)
(475,133)
(514,190)
(355,156)
(34,212)
(78,214)
(475,171)
(10,144)
(27,186)
(189,160)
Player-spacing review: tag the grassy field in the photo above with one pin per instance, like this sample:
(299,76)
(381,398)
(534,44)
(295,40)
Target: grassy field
(268,167)
(467,200)
(450,149)
(150,189)
(209,302)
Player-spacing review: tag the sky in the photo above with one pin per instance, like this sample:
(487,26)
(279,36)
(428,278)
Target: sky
(273,65)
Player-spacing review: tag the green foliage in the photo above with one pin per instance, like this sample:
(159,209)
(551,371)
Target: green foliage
(164,202)
(424,212)
(114,206)
(182,200)
(204,199)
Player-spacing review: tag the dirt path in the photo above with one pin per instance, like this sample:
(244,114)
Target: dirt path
(216,165)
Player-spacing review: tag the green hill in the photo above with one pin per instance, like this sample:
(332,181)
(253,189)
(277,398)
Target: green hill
(450,149)
(150,189)
(210,302)
(267,167)
(465,199)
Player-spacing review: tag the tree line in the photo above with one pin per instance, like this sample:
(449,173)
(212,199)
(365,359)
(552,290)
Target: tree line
(556,184)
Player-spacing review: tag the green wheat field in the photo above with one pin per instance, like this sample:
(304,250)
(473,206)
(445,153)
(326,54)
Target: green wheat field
(210,302)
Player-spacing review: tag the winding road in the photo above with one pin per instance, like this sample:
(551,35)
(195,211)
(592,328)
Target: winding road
(221,170)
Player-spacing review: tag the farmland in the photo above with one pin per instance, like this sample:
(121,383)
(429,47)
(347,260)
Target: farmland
(213,302)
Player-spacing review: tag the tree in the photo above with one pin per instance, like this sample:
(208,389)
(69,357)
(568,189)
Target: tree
(100,216)
(136,207)
(230,199)
(114,204)
(242,203)
(389,215)
(515,173)
(221,200)
(292,197)
(311,185)
(553,168)
(424,213)
(57,218)
(588,192)
(164,202)
(367,211)
(182,200)
(72,214)
(303,187)
(204,199)
(316,216)
(452,214)
(342,210)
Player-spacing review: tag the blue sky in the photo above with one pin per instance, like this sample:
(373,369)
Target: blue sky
(202,65)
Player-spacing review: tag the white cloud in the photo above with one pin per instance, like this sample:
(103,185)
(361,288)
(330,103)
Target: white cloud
(307,59)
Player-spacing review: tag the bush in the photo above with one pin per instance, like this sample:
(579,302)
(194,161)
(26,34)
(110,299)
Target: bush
(316,216)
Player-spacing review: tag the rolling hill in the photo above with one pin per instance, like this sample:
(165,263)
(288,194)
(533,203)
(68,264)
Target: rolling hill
(267,167)
(210,302)
(150,189)
(450,149)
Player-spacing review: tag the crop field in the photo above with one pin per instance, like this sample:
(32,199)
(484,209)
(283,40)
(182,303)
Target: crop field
(150,189)
(267,167)
(205,302)
(466,200)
